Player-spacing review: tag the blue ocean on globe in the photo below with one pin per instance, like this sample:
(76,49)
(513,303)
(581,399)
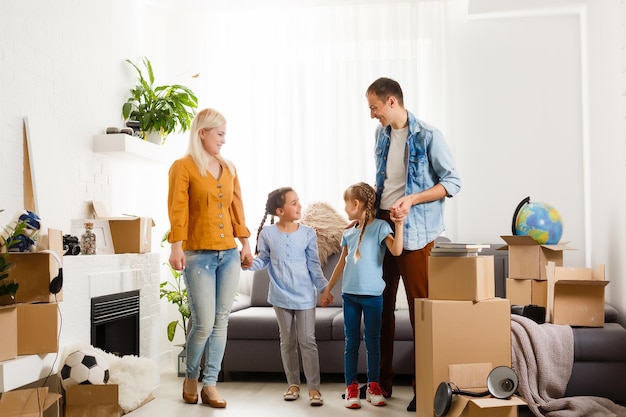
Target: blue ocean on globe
(540,221)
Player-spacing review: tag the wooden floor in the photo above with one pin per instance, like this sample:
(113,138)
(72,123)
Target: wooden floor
(261,395)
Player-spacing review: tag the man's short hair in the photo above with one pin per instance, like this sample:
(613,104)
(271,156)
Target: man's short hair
(384,88)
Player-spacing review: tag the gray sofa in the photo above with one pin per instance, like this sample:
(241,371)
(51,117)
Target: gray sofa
(253,340)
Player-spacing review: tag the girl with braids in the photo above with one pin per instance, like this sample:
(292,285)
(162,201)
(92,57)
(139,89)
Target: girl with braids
(360,267)
(289,251)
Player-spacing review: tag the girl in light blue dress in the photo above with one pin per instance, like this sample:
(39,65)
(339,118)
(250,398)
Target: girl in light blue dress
(289,250)
(360,268)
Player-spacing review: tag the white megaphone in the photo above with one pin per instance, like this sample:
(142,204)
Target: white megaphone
(501,383)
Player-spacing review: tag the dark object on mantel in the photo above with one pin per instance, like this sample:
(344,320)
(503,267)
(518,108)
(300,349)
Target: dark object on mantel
(133,125)
(71,246)
(136,127)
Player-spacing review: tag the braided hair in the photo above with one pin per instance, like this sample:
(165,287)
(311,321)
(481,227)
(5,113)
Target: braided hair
(366,194)
(275,200)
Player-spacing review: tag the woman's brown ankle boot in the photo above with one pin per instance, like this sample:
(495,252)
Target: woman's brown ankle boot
(190,390)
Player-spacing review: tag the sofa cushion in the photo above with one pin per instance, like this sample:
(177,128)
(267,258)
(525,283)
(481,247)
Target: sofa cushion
(600,344)
(259,323)
(324,318)
(611,314)
(253,323)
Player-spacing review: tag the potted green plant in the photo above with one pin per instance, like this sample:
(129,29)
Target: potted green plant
(159,110)
(176,293)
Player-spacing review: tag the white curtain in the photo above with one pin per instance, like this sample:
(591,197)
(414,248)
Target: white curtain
(291,81)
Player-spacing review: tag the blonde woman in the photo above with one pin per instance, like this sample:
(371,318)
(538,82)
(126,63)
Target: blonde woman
(206,216)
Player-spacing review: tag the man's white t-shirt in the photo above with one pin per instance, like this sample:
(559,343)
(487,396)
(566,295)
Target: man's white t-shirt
(395,181)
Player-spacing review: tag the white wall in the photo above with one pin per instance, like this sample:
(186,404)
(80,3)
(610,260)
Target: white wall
(536,91)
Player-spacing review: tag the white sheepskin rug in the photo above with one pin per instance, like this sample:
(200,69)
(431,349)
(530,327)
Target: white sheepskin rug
(329,226)
(135,376)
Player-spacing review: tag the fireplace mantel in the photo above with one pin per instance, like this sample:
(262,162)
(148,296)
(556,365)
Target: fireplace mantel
(85,277)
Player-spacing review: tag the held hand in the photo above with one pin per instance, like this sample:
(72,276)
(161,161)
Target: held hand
(246,256)
(400,209)
(398,220)
(246,260)
(325,299)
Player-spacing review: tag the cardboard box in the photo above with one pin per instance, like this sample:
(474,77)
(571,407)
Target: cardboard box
(464,406)
(468,278)
(37,328)
(528,259)
(576,295)
(473,377)
(92,401)
(53,383)
(130,234)
(32,402)
(457,332)
(523,292)
(34,272)
(8,324)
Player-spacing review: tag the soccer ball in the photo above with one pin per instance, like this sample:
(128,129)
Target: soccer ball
(82,367)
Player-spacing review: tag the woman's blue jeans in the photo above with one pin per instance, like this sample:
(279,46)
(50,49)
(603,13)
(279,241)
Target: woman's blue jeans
(371,308)
(211,278)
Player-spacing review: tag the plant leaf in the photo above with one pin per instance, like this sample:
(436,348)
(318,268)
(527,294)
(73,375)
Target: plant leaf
(171,330)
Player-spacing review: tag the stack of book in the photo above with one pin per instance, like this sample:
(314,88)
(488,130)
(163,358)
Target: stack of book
(458,249)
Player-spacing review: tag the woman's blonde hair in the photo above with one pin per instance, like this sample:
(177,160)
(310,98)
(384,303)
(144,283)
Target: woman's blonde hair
(205,119)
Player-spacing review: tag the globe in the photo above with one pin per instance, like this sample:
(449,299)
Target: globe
(540,221)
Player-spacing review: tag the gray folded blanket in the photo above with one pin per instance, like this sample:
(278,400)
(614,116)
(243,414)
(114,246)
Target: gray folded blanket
(542,357)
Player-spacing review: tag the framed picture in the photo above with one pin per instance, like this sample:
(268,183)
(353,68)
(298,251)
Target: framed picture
(104,241)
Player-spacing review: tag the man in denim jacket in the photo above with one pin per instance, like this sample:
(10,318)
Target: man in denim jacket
(415,172)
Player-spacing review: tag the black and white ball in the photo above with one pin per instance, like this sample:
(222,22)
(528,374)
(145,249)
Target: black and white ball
(82,367)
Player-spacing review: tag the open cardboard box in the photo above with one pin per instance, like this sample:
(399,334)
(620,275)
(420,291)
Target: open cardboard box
(34,271)
(528,259)
(92,401)
(464,406)
(576,295)
(473,377)
(31,402)
(130,234)
(469,278)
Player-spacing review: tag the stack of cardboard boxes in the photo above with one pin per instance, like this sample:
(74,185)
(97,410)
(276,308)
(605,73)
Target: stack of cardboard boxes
(30,326)
(572,296)
(462,332)
(29,322)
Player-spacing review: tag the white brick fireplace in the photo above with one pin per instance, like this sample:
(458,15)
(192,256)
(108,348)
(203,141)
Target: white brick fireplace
(86,277)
